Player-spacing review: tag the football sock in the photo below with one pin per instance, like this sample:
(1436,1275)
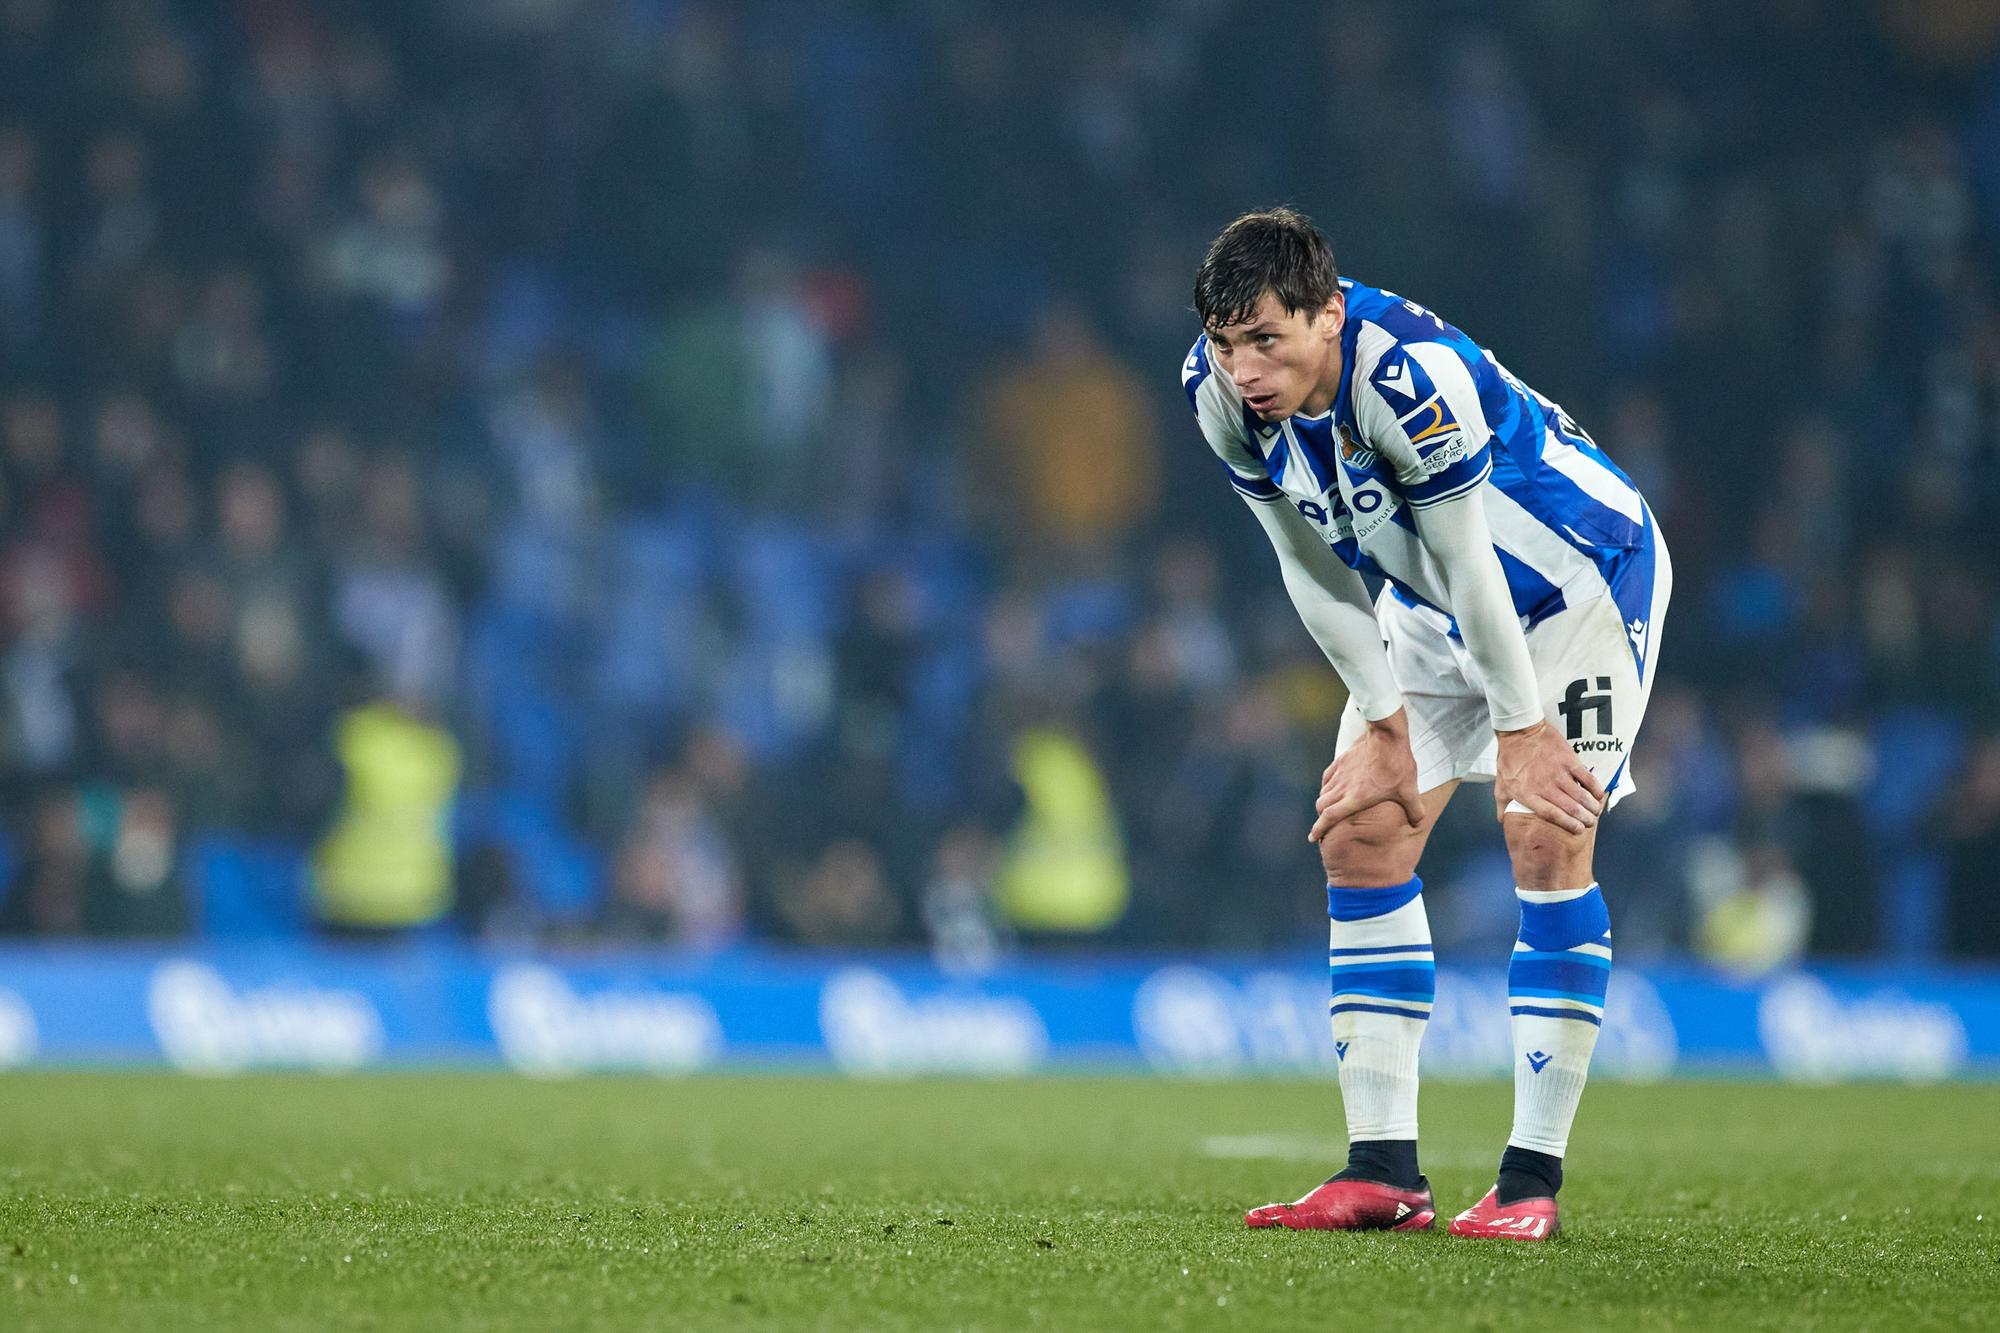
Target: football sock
(1527,1174)
(1555,993)
(1391,1161)
(1379,954)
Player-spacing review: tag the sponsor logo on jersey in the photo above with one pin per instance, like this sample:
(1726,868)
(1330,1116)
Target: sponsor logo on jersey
(1578,701)
(1397,379)
(1333,523)
(1401,382)
(1430,421)
(1444,451)
(1373,506)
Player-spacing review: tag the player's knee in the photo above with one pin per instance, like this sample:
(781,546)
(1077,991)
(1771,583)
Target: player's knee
(1546,857)
(1375,847)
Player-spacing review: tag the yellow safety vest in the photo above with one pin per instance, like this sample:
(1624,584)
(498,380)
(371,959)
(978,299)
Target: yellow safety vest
(1065,864)
(388,861)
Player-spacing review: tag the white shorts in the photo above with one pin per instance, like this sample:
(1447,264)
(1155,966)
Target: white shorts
(1594,666)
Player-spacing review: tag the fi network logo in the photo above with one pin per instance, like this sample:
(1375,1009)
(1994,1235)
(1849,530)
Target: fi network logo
(1577,700)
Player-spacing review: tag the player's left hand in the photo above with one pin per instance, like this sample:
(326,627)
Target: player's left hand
(1538,769)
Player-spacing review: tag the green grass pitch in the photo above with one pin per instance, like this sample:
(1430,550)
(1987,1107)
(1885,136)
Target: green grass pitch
(474,1201)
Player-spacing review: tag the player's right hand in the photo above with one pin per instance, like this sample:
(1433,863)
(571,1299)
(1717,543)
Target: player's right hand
(1377,768)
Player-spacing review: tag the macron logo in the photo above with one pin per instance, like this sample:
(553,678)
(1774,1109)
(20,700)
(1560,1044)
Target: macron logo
(1340,1050)
(1398,378)
(1536,1060)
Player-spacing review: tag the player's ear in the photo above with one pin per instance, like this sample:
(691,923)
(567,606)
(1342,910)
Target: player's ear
(1334,313)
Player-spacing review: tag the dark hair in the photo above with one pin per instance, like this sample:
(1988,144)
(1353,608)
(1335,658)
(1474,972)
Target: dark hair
(1277,250)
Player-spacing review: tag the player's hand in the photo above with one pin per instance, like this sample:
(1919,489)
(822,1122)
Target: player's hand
(1379,767)
(1538,769)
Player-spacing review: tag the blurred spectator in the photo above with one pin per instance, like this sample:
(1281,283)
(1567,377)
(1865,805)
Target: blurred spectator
(1970,817)
(839,897)
(221,353)
(1066,466)
(1753,911)
(1063,872)
(390,601)
(388,249)
(101,860)
(677,879)
(756,354)
(47,897)
(23,241)
(958,908)
(386,864)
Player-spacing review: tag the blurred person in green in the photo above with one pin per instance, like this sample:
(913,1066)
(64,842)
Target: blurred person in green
(386,864)
(1063,873)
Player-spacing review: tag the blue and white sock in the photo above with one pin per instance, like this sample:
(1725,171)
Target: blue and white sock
(1384,979)
(1555,992)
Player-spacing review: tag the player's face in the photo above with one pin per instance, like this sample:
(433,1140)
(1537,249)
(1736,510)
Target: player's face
(1284,362)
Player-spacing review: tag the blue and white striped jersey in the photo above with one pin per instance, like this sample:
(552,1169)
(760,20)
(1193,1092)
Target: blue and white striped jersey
(1424,414)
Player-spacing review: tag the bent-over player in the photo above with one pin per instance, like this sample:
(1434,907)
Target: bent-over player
(1523,586)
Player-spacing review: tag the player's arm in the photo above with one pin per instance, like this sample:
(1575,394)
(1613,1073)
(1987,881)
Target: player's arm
(1333,603)
(1331,598)
(1536,766)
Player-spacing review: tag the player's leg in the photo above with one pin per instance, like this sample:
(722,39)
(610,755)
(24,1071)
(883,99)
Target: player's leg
(1556,984)
(1379,950)
(1595,679)
(1383,981)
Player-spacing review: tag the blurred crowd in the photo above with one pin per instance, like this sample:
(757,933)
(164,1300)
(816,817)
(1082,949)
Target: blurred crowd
(715,472)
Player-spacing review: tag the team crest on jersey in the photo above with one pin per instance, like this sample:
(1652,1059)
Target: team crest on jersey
(1352,452)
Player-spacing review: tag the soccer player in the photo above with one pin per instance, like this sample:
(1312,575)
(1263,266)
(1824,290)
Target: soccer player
(1513,642)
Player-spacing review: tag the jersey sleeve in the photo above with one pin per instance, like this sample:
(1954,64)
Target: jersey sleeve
(1219,412)
(1420,408)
